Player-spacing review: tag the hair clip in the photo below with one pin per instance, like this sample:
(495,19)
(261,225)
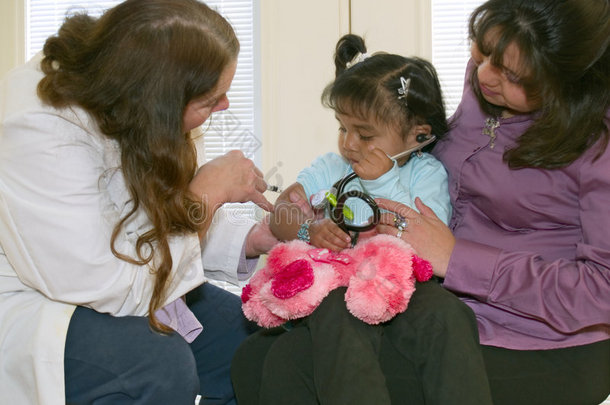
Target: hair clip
(403,90)
(357,59)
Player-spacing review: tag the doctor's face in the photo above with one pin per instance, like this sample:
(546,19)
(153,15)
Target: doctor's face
(198,110)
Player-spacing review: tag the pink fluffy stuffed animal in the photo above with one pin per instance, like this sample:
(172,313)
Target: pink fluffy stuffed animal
(379,273)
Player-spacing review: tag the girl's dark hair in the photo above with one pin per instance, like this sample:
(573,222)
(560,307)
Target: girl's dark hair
(134,70)
(370,87)
(565,62)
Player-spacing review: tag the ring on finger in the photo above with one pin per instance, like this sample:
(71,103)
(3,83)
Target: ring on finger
(400,222)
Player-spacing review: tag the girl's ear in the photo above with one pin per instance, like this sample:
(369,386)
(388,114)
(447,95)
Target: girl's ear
(420,132)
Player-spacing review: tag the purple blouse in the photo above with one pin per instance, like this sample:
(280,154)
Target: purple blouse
(532,256)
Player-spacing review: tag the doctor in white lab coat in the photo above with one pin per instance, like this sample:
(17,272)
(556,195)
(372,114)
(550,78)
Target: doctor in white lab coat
(62,193)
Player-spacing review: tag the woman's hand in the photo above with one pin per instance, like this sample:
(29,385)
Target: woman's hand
(230,178)
(324,233)
(428,235)
(297,196)
(260,239)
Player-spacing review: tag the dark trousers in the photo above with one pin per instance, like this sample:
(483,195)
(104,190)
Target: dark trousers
(572,376)
(428,354)
(120,360)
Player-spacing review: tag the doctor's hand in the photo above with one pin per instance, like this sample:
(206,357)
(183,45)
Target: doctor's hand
(230,178)
(428,235)
(260,240)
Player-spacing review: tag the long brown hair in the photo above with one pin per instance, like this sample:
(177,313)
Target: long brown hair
(134,70)
(565,55)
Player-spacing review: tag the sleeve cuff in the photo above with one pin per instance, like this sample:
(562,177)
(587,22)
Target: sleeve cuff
(246,266)
(223,247)
(471,268)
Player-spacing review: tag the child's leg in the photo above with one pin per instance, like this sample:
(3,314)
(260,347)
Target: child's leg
(345,355)
(120,360)
(224,329)
(437,339)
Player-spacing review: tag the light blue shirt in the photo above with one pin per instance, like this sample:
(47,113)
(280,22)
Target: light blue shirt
(422,176)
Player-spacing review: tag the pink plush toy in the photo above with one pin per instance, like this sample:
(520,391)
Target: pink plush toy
(379,274)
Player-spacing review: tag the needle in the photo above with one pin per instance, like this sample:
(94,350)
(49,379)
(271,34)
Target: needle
(275,189)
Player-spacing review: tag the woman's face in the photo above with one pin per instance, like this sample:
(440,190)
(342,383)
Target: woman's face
(501,85)
(198,110)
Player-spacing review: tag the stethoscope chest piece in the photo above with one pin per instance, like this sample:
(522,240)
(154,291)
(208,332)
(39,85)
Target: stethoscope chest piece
(340,213)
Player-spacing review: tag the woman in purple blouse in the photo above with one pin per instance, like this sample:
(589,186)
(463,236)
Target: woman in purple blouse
(528,246)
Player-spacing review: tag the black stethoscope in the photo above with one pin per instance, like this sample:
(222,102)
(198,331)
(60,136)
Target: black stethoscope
(335,199)
(339,210)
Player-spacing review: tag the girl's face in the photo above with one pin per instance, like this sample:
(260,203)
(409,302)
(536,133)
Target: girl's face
(501,85)
(357,135)
(198,110)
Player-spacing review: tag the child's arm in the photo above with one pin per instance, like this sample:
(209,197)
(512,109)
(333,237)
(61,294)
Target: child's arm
(288,218)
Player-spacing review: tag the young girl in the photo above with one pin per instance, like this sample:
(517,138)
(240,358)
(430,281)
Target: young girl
(385,104)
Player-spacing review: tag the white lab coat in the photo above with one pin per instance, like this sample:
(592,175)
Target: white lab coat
(60,197)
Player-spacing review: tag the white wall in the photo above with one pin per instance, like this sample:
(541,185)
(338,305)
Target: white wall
(396,26)
(11,34)
(297,44)
(298,41)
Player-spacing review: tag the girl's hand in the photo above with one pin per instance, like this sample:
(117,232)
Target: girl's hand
(324,233)
(375,164)
(428,235)
(230,178)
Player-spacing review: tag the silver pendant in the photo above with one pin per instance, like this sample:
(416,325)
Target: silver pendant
(490,130)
